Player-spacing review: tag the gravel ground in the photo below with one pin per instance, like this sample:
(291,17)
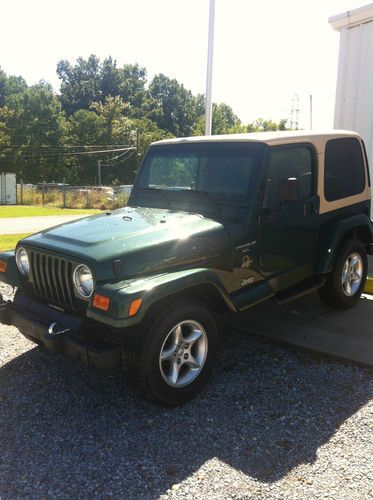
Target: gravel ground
(276,422)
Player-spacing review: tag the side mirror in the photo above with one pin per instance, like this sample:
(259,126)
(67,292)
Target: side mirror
(288,190)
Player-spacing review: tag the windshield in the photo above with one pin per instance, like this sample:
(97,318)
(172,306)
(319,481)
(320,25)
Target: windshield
(222,170)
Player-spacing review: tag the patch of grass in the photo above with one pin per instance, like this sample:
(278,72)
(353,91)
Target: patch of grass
(9,241)
(31,211)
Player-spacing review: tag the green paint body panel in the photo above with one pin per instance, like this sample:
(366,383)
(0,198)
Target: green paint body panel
(146,240)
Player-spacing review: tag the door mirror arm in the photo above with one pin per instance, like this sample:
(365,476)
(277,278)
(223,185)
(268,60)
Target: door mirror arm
(288,190)
(267,215)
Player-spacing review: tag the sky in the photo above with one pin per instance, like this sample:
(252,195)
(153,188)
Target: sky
(266,52)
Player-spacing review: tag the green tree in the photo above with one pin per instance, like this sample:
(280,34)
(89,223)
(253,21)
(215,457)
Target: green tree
(132,89)
(224,121)
(127,82)
(10,85)
(261,125)
(86,128)
(33,119)
(176,109)
(109,78)
(5,139)
(100,104)
(89,81)
(103,124)
(116,124)
(80,83)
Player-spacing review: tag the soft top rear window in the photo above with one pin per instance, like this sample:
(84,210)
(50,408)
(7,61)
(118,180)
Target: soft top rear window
(344,173)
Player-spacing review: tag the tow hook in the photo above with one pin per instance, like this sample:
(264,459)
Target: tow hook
(4,317)
(55,329)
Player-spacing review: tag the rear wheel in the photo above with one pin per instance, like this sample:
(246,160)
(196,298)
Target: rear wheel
(346,282)
(178,354)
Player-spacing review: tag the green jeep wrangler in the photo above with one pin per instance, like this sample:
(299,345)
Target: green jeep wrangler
(213,224)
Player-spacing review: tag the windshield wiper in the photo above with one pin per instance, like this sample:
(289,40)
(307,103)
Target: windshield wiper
(153,190)
(207,196)
(190,194)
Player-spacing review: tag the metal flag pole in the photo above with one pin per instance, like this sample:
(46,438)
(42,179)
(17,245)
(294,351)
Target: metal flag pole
(210,51)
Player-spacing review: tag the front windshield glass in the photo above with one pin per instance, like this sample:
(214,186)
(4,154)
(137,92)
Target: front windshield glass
(219,169)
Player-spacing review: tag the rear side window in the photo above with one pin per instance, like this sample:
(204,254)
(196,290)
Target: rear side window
(344,173)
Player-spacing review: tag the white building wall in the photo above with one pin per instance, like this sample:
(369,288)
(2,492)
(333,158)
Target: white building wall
(8,189)
(354,96)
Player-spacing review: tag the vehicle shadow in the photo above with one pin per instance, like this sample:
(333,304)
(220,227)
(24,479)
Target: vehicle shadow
(71,430)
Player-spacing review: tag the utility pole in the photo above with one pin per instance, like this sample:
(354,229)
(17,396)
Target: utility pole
(137,149)
(294,113)
(99,172)
(210,52)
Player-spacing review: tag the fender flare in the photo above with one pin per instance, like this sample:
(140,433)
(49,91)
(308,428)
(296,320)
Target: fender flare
(152,289)
(330,242)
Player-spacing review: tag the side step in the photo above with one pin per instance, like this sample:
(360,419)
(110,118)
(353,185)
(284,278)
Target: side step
(299,290)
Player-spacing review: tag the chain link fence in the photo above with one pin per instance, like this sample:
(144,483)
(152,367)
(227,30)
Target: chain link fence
(65,196)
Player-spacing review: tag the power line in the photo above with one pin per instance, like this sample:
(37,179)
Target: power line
(13,146)
(115,158)
(79,153)
(119,162)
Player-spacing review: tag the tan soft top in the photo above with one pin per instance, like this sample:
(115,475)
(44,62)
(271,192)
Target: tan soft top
(318,139)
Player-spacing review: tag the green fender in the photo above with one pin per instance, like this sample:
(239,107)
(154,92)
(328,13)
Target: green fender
(332,235)
(151,289)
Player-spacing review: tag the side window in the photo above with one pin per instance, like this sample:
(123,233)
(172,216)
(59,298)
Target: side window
(284,163)
(344,172)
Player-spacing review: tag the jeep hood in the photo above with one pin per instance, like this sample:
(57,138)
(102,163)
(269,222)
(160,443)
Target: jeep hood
(144,240)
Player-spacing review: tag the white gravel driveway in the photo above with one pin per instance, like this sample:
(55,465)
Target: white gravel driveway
(275,423)
(17,225)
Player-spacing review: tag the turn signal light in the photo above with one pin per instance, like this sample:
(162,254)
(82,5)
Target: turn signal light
(3,266)
(101,302)
(134,307)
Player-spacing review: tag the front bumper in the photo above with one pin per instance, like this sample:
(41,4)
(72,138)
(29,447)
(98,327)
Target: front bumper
(35,320)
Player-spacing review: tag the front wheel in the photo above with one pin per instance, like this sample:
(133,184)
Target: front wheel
(345,283)
(178,354)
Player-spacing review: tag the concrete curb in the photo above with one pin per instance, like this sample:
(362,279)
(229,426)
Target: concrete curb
(309,324)
(368,288)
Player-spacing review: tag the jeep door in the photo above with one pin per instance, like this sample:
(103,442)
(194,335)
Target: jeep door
(288,220)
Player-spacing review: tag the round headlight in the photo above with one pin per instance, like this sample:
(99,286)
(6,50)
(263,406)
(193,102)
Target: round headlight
(83,281)
(22,261)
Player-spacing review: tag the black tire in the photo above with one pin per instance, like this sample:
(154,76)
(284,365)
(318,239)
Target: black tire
(145,367)
(333,293)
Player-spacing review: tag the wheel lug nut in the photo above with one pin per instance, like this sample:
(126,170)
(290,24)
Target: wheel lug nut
(186,346)
(186,356)
(178,361)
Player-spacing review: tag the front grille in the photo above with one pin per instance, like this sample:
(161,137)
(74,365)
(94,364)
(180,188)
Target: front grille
(52,278)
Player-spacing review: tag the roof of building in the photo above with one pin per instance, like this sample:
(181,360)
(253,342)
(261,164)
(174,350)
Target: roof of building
(352,17)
